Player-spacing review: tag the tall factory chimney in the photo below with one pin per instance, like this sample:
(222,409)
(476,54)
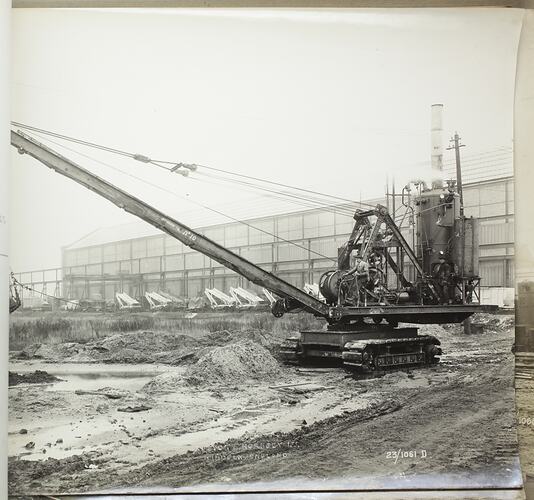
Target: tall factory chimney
(436,143)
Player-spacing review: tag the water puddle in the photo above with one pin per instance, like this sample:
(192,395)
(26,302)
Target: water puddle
(91,377)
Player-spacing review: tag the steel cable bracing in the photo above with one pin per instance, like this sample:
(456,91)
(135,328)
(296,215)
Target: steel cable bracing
(26,287)
(186,199)
(309,203)
(275,196)
(161,163)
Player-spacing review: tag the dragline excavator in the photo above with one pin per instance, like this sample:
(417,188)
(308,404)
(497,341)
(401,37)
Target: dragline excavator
(367,295)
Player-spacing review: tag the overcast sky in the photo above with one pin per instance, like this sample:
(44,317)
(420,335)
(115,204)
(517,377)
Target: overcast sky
(330,101)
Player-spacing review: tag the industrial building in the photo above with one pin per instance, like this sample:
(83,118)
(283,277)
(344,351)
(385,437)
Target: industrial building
(136,258)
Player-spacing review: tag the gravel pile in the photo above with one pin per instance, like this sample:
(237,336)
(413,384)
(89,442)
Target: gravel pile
(233,363)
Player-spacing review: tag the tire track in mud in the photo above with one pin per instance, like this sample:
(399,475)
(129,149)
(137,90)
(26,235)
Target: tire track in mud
(462,428)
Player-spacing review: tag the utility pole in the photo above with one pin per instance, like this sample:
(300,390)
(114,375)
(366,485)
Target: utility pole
(456,147)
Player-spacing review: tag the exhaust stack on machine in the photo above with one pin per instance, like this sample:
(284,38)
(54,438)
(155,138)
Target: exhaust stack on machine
(436,143)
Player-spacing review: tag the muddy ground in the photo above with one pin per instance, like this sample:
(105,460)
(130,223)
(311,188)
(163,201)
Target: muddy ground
(220,410)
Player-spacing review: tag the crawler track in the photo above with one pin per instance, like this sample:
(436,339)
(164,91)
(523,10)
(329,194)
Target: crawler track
(372,354)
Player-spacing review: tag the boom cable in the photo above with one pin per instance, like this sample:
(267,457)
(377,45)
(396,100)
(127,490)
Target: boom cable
(186,199)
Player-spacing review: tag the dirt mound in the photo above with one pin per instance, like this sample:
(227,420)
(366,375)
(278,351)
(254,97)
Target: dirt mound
(144,347)
(224,337)
(233,363)
(166,382)
(435,330)
(37,377)
(146,341)
(494,322)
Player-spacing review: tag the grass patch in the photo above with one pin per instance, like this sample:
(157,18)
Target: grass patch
(58,327)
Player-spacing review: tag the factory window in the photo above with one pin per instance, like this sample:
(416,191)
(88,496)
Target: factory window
(287,251)
(125,267)
(290,227)
(495,233)
(326,224)
(216,234)
(111,268)
(471,197)
(492,210)
(82,256)
(326,247)
(292,266)
(139,248)
(344,223)
(109,253)
(155,246)
(236,235)
(257,255)
(492,273)
(194,261)
(123,250)
(172,245)
(174,262)
(150,265)
(499,251)
(94,255)
(311,225)
(261,232)
(492,194)
(472,211)
(135,266)
(323,264)
(94,269)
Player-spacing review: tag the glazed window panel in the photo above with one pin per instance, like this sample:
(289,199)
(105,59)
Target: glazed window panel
(492,273)
(492,194)
(172,245)
(261,232)
(344,224)
(326,219)
(125,267)
(150,265)
(311,226)
(324,247)
(82,256)
(492,210)
(295,229)
(124,250)
(94,255)
(257,254)
(194,261)
(472,211)
(139,249)
(174,262)
(471,197)
(111,268)
(287,251)
(109,252)
(216,234)
(155,246)
(236,235)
